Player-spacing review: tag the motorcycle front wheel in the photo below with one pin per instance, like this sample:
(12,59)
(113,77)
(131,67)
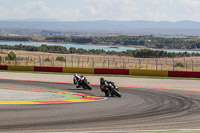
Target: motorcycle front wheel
(87,86)
(117,93)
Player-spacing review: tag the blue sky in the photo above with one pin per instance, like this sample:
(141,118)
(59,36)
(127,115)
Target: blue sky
(90,10)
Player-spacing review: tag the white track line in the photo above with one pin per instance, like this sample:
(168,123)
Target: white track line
(136,131)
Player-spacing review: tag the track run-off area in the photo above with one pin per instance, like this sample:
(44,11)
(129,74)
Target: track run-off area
(62,97)
(36,106)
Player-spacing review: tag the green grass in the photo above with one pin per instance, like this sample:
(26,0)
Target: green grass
(104,75)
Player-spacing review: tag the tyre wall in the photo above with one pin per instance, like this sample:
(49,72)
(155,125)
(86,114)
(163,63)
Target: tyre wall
(184,74)
(21,68)
(78,70)
(103,71)
(148,73)
(3,67)
(48,69)
(111,71)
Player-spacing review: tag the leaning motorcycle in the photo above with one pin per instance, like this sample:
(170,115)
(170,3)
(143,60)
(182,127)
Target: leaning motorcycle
(82,82)
(111,90)
(85,84)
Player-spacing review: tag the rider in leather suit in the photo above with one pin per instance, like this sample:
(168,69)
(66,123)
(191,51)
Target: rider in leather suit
(78,80)
(104,85)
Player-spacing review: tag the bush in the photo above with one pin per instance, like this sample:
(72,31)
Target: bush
(6,58)
(179,65)
(11,56)
(47,60)
(60,58)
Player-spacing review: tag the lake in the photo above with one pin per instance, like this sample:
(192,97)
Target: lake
(88,47)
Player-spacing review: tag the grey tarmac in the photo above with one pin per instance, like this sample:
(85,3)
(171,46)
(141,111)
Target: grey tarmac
(137,109)
(163,83)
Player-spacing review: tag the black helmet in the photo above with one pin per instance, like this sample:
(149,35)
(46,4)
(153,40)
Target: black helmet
(102,80)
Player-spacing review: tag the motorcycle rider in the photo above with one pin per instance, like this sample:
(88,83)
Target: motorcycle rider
(78,79)
(104,85)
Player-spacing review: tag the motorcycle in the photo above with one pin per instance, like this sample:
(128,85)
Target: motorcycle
(113,90)
(110,89)
(82,82)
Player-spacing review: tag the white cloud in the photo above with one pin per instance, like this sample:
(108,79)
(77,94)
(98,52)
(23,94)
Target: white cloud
(111,9)
(159,1)
(92,10)
(193,3)
(74,10)
(155,15)
(4,12)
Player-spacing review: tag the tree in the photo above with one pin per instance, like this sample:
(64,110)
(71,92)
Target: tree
(81,40)
(11,56)
(178,64)
(60,58)
(47,59)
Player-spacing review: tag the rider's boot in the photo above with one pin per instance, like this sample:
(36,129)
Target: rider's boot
(106,93)
(78,86)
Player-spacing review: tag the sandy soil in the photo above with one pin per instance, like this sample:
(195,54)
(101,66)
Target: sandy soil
(99,61)
(141,82)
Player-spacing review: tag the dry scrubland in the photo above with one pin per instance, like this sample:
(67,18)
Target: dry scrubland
(25,58)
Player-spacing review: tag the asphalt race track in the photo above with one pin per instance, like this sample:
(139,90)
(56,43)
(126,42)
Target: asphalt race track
(137,109)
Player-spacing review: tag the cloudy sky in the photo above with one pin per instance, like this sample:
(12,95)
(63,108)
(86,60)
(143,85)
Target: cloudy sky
(89,10)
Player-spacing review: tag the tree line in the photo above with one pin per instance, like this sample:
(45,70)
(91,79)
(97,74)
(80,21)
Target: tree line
(15,38)
(147,41)
(139,53)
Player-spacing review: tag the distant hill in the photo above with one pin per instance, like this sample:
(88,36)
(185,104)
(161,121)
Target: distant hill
(34,26)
